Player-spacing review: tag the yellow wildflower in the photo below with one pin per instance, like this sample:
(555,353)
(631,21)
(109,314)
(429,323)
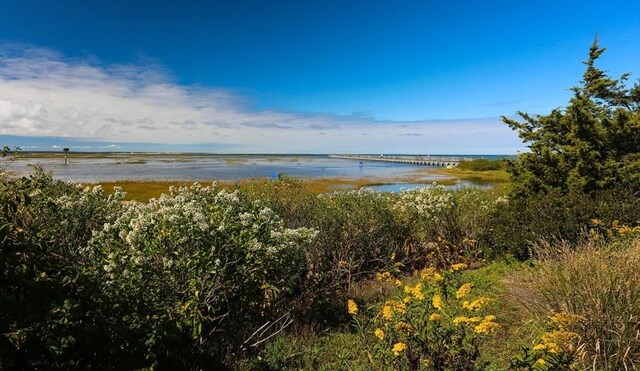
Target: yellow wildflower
(406,299)
(490,318)
(385,276)
(487,328)
(427,272)
(392,306)
(558,337)
(475,304)
(399,307)
(437,302)
(552,348)
(352,307)
(541,362)
(399,348)
(464,290)
(564,319)
(379,334)
(437,277)
(398,283)
(458,266)
(540,347)
(387,312)
(415,291)
(463,319)
(435,317)
(596,222)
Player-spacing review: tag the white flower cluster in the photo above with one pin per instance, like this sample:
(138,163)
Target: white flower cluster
(428,203)
(190,220)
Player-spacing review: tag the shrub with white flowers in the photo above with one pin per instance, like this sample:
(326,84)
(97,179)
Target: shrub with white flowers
(200,264)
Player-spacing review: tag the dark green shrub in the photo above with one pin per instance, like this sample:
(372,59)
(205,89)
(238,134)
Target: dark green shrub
(46,296)
(517,223)
(483,164)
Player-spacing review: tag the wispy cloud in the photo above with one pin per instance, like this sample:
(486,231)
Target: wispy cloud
(45,94)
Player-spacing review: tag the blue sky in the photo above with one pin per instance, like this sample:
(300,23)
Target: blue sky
(297,76)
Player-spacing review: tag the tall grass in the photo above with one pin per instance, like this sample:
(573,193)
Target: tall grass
(601,283)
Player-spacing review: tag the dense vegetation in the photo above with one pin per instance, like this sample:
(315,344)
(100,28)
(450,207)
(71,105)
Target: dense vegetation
(274,276)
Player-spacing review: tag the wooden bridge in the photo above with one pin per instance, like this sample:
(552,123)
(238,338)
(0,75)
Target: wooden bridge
(426,160)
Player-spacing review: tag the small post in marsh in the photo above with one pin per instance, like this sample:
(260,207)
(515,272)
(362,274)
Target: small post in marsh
(66,150)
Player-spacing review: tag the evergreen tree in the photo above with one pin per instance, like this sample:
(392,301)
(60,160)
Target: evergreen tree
(592,144)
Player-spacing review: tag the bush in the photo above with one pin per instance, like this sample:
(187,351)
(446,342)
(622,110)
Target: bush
(46,294)
(359,234)
(483,164)
(195,273)
(515,224)
(288,197)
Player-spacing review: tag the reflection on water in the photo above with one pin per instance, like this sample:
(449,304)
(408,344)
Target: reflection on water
(399,187)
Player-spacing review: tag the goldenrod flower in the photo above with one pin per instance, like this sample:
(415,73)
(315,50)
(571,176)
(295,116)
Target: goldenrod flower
(558,337)
(352,307)
(464,290)
(458,266)
(463,319)
(540,347)
(435,317)
(437,277)
(387,312)
(437,302)
(399,348)
(400,307)
(541,362)
(379,334)
(564,319)
(552,348)
(426,272)
(415,291)
(475,304)
(487,328)
(398,283)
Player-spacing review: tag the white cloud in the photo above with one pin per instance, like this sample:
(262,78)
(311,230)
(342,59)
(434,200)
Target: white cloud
(42,93)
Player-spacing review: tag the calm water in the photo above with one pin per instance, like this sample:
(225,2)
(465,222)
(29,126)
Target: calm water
(398,187)
(206,168)
(223,168)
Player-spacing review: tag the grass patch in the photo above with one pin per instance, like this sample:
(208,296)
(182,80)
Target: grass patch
(142,191)
(599,282)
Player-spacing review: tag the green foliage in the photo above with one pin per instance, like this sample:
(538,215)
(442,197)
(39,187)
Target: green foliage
(514,224)
(46,308)
(483,164)
(288,197)
(592,144)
